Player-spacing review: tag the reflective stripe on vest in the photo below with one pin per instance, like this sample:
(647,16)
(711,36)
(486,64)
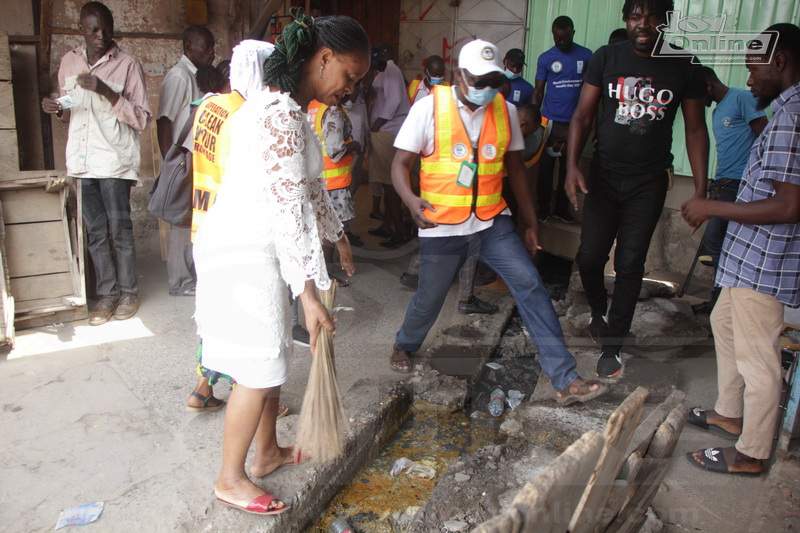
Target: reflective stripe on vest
(454,203)
(413,89)
(337,175)
(535,158)
(211,140)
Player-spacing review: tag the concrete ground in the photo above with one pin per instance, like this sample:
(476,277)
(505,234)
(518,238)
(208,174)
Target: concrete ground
(97,414)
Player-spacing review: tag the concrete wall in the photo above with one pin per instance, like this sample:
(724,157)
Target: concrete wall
(150,30)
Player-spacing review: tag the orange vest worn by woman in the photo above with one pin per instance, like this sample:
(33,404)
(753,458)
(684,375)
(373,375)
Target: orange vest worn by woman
(455,200)
(211,134)
(337,175)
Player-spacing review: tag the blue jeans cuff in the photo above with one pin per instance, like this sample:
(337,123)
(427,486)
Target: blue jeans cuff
(565,381)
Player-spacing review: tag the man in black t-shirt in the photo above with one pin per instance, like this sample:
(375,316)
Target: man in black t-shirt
(629,177)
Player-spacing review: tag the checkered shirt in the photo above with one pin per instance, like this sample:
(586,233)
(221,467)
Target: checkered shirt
(766,258)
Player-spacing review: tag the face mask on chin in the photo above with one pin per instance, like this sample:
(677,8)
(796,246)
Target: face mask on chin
(511,75)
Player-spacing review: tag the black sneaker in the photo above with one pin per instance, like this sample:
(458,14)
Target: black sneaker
(598,329)
(476,305)
(610,363)
(301,336)
(409,280)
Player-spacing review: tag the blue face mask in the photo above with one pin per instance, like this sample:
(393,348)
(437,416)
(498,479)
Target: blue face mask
(436,81)
(511,75)
(481,96)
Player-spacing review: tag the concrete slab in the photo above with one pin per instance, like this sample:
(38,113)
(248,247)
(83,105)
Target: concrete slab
(97,413)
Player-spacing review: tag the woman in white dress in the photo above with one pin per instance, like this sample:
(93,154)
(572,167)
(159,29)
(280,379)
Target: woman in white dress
(262,234)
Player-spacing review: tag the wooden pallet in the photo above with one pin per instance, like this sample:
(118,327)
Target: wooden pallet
(609,481)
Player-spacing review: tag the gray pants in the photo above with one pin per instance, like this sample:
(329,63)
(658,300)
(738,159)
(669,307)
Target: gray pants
(180,262)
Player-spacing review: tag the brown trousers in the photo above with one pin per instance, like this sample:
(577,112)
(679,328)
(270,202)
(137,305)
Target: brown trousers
(747,327)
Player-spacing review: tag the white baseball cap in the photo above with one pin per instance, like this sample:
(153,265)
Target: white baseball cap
(480,57)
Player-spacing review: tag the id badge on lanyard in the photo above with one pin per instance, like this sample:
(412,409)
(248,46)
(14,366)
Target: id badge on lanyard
(467,172)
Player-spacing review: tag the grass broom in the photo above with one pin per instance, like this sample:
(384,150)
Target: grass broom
(322,425)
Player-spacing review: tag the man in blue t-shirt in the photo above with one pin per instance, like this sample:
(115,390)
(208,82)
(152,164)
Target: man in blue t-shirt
(559,77)
(736,124)
(520,91)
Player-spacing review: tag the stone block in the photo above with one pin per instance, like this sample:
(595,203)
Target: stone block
(659,379)
(446,393)
(660,325)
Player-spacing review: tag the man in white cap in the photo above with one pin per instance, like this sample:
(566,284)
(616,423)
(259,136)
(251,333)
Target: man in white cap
(467,135)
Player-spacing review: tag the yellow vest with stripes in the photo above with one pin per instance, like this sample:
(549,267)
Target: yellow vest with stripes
(413,89)
(438,172)
(337,174)
(211,140)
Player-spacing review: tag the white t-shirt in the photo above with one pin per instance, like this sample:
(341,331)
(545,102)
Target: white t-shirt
(422,92)
(417,135)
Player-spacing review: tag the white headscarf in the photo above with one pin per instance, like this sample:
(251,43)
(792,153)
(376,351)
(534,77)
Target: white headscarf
(247,66)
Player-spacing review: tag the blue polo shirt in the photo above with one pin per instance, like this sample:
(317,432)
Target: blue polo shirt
(521,92)
(563,72)
(730,122)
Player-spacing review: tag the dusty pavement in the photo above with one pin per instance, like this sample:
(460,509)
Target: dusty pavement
(97,414)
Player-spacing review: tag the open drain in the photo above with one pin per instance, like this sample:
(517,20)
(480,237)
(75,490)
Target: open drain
(376,501)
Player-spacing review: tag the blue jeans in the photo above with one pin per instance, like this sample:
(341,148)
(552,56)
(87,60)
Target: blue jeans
(107,218)
(727,189)
(500,248)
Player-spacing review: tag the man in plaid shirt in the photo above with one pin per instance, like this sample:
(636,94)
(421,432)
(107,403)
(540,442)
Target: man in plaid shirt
(759,270)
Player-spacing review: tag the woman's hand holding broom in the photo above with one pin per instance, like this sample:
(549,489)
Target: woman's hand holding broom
(316,315)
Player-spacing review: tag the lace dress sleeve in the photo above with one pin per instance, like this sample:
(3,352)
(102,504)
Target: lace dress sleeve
(301,209)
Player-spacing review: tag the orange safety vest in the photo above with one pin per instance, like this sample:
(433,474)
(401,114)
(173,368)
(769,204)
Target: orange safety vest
(211,141)
(339,174)
(438,172)
(413,89)
(535,158)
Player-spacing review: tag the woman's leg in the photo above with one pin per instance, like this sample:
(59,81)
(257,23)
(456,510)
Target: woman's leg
(244,414)
(269,456)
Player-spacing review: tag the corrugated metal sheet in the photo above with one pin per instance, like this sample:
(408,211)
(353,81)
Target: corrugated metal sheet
(430,27)
(596,19)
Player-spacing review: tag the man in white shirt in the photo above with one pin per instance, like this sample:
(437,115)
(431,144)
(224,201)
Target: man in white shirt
(178,90)
(434,75)
(388,109)
(461,212)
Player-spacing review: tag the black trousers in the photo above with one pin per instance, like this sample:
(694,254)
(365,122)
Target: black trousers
(625,207)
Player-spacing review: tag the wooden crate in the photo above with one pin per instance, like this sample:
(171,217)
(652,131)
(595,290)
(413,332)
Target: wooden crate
(9,153)
(7,119)
(5,57)
(6,300)
(42,246)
